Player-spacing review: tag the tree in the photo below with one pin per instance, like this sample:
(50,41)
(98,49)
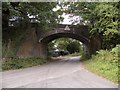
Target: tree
(65,44)
(23,13)
(60,43)
(107,24)
(73,47)
(102,18)
(17,16)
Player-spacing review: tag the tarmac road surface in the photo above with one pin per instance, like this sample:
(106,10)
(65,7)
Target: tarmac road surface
(65,73)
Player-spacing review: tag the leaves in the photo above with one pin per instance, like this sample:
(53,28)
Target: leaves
(17,16)
(65,44)
(105,63)
(103,18)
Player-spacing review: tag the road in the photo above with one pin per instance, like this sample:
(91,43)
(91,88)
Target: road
(65,73)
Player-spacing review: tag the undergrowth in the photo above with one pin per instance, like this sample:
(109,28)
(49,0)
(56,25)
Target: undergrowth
(105,63)
(17,63)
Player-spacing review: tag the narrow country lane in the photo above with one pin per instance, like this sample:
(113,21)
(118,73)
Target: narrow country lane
(65,73)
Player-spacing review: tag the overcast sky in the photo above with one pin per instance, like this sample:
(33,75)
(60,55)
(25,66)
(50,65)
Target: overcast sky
(67,18)
(70,20)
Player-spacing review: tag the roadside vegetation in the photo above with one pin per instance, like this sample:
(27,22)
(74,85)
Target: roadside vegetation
(104,27)
(65,47)
(103,20)
(105,63)
(18,63)
(15,21)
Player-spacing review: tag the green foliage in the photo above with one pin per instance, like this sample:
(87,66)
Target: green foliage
(12,43)
(116,50)
(65,44)
(62,43)
(73,47)
(103,19)
(41,12)
(59,44)
(22,14)
(17,63)
(106,24)
(84,57)
(105,63)
(7,52)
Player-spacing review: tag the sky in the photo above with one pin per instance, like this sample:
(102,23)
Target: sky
(67,19)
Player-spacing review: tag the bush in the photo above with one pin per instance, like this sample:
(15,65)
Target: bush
(17,63)
(73,47)
(105,63)
(116,50)
(8,52)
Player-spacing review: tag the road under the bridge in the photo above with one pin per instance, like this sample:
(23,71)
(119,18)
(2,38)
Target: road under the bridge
(65,73)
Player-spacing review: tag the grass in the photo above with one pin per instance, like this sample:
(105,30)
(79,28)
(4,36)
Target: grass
(105,64)
(17,63)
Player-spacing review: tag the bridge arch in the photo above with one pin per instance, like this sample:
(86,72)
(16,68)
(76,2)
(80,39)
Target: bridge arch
(52,37)
(80,34)
(35,42)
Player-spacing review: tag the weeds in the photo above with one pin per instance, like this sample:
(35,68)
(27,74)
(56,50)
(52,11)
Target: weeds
(105,63)
(17,63)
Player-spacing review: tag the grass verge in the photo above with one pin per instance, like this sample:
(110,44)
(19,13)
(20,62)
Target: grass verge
(17,63)
(105,64)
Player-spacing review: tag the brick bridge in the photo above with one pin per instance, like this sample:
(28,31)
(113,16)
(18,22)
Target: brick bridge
(36,41)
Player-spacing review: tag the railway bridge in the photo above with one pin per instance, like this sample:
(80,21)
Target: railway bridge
(35,44)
